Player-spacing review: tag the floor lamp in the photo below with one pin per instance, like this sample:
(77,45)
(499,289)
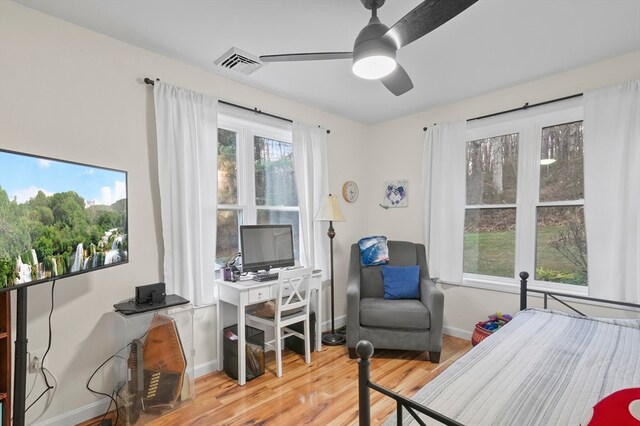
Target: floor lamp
(330,212)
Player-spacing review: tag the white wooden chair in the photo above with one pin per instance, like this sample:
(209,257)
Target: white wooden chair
(291,307)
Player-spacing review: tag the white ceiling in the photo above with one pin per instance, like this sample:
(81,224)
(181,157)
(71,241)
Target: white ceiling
(494,44)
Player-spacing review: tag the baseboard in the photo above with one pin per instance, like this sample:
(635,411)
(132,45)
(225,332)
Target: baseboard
(338,322)
(451,331)
(205,368)
(457,332)
(78,415)
(98,408)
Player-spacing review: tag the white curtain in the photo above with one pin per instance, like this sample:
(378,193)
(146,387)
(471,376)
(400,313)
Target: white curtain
(443,183)
(186,124)
(312,183)
(612,191)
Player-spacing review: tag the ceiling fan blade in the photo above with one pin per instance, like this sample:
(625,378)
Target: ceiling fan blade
(398,82)
(424,18)
(320,56)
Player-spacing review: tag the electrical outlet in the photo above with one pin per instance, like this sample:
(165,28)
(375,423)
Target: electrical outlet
(35,360)
(34,365)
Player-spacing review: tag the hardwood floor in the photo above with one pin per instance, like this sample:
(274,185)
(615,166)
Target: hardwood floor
(323,393)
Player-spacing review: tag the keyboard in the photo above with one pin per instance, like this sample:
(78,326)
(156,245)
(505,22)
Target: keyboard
(266,276)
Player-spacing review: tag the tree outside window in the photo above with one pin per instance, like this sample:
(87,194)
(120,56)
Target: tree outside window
(275,183)
(525,201)
(256,182)
(561,243)
(490,217)
(229,218)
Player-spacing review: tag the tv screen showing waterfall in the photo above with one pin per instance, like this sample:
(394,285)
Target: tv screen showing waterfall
(58,218)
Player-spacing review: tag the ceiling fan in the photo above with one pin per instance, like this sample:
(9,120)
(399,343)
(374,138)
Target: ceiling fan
(374,51)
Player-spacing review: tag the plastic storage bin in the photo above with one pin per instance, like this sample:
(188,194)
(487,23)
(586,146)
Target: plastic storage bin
(146,390)
(254,352)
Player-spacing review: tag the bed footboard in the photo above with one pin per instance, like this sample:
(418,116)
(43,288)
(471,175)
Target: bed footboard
(364,349)
(556,296)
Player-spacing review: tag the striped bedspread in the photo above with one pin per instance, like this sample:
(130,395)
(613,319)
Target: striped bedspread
(542,368)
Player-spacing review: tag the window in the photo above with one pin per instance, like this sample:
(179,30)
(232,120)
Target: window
(525,199)
(490,217)
(561,245)
(229,209)
(256,180)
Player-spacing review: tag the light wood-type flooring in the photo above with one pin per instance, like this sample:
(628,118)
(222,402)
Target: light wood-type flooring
(322,393)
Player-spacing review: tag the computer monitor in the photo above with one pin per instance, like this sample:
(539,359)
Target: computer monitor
(264,247)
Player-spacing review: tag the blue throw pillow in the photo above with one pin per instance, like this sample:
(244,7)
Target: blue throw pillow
(373,251)
(401,282)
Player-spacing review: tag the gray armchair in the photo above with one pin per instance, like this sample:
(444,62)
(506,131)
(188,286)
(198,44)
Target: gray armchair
(393,324)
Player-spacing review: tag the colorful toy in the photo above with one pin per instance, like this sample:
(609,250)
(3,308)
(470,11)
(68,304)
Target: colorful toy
(484,329)
(496,321)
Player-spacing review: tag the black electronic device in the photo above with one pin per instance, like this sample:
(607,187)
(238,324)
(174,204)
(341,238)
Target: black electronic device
(130,307)
(295,343)
(265,247)
(150,294)
(75,224)
(90,205)
(265,276)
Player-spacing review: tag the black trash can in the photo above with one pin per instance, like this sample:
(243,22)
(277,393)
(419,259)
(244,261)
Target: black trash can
(254,352)
(295,343)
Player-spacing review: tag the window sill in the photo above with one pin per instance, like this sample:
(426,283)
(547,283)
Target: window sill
(494,285)
(508,286)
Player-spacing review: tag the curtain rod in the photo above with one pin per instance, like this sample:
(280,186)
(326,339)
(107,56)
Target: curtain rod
(152,82)
(524,107)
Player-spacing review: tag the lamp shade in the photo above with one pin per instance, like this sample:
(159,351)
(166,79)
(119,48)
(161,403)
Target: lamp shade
(374,66)
(330,210)
(374,56)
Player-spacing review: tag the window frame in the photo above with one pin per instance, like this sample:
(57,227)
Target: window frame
(247,125)
(529,125)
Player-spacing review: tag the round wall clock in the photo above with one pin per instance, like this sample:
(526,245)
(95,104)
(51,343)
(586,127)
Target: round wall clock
(350,191)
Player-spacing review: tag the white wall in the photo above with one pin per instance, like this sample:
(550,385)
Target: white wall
(72,94)
(395,152)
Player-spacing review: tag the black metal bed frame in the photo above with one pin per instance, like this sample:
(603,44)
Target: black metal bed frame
(364,349)
(554,295)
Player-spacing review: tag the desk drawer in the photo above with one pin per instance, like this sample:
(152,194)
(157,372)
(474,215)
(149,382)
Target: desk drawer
(259,295)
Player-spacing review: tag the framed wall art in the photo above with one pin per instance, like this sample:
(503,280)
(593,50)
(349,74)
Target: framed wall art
(395,194)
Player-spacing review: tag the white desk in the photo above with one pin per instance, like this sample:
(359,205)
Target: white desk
(245,292)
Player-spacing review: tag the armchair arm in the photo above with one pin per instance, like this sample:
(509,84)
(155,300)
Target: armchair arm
(353,298)
(433,298)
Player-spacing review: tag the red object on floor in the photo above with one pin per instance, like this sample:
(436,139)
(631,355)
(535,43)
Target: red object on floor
(621,408)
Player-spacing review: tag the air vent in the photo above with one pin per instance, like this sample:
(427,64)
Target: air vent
(236,60)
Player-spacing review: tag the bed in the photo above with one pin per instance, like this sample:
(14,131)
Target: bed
(542,368)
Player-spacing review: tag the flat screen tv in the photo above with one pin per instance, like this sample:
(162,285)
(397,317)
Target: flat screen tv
(265,247)
(58,218)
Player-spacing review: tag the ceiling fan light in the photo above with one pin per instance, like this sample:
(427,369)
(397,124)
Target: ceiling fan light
(374,67)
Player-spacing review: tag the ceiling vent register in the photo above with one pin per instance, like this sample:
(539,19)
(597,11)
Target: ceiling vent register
(238,61)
